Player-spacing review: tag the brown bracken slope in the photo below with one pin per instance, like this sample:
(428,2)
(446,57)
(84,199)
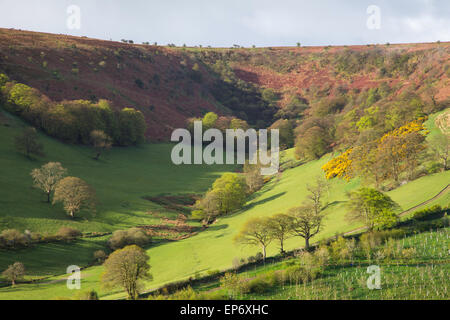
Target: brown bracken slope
(158,80)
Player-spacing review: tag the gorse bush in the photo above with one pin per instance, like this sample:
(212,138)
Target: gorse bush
(72,121)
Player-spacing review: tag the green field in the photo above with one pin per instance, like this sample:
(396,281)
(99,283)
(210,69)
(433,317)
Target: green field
(427,273)
(123,177)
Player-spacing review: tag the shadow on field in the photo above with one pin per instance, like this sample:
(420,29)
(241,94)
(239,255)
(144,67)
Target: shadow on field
(262,201)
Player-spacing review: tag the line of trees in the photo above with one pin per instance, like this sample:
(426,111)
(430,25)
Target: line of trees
(394,156)
(304,221)
(72,121)
(369,206)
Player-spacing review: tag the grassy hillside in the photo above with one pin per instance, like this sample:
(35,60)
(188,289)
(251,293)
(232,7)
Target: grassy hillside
(426,271)
(122,179)
(212,249)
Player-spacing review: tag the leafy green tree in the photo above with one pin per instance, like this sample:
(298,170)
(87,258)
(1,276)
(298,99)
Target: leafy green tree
(127,268)
(209,120)
(372,207)
(47,177)
(255,232)
(75,194)
(3,79)
(132,127)
(28,143)
(14,272)
(238,124)
(231,191)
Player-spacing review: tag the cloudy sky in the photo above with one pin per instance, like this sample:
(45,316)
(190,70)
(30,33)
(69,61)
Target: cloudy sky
(242,22)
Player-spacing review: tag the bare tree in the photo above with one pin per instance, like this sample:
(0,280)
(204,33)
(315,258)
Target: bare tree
(316,193)
(47,177)
(255,232)
(253,177)
(306,222)
(100,141)
(28,143)
(280,226)
(75,194)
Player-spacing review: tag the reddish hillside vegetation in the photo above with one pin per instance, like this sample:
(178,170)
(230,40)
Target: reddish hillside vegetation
(155,80)
(170,85)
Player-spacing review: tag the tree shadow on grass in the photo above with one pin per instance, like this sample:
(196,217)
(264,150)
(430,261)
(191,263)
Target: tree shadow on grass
(262,201)
(333,204)
(218,227)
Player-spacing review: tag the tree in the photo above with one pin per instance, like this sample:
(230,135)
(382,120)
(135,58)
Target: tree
(372,207)
(28,143)
(126,268)
(316,194)
(100,141)
(100,256)
(399,152)
(231,191)
(280,226)
(14,272)
(306,222)
(75,194)
(313,143)
(209,120)
(47,177)
(207,208)
(255,232)
(286,132)
(440,146)
(253,177)
(132,127)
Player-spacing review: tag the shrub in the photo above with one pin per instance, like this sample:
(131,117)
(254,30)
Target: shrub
(259,285)
(369,241)
(67,233)
(122,238)
(427,214)
(87,295)
(189,294)
(100,256)
(234,285)
(408,253)
(12,238)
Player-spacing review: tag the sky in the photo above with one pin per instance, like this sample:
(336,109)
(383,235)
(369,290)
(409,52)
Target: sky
(236,22)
